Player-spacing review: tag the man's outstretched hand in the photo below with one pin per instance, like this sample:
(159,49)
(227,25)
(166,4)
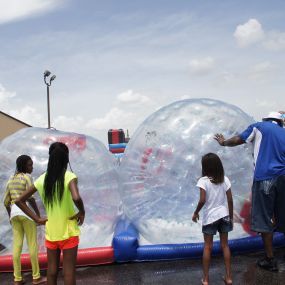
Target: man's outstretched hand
(220,139)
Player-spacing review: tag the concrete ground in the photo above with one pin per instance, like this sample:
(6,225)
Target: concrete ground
(174,272)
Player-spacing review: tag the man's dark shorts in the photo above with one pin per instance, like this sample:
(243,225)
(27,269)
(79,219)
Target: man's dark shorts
(268,205)
(223,225)
(280,204)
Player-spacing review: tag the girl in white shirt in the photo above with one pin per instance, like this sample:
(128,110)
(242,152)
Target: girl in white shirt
(217,203)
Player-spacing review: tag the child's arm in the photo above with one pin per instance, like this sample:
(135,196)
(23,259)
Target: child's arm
(21,203)
(7,201)
(80,216)
(230,203)
(31,200)
(200,205)
(34,206)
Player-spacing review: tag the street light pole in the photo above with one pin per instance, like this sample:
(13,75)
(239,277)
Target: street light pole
(47,73)
(48,107)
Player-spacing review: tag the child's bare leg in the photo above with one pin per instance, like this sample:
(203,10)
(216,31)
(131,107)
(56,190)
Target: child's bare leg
(227,257)
(53,266)
(69,262)
(208,239)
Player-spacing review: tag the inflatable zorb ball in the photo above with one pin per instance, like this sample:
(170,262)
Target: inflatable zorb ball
(162,164)
(97,181)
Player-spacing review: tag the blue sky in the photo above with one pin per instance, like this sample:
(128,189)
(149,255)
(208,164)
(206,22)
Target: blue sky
(118,61)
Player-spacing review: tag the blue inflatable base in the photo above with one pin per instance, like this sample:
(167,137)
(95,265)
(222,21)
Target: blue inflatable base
(126,246)
(195,250)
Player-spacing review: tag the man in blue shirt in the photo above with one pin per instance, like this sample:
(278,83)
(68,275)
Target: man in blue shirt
(268,188)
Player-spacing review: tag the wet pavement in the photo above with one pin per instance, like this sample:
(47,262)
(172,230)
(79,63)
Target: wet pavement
(174,272)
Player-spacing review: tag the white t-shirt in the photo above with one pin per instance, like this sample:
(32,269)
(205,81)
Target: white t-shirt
(216,205)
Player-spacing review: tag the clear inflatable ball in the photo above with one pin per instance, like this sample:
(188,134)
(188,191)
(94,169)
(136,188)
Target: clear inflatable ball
(162,164)
(97,180)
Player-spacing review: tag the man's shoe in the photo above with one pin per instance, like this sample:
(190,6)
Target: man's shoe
(269,264)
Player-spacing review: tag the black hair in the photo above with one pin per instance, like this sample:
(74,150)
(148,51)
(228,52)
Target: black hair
(213,168)
(21,163)
(54,179)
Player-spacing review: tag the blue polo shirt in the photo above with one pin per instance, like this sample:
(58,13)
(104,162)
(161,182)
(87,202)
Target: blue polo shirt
(268,139)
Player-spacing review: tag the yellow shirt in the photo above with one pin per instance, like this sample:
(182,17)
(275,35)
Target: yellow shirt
(58,226)
(16,186)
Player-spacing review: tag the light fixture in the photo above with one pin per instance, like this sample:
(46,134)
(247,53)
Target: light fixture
(47,73)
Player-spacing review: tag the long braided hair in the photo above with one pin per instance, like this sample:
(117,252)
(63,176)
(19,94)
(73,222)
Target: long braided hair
(54,179)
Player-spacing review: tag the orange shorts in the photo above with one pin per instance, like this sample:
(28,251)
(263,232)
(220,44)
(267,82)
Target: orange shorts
(63,244)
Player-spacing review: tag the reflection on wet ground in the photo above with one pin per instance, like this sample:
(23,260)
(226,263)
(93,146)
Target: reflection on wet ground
(176,272)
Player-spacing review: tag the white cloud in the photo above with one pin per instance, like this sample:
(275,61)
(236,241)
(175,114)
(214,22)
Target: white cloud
(113,119)
(264,103)
(11,10)
(249,33)
(226,79)
(202,66)
(117,117)
(275,41)
(263,67)
(130,96)
(71,124)
(5,95)
(12,105)
(184,97)
(262,70)
(28,115)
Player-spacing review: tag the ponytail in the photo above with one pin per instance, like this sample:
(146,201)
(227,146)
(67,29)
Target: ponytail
(54,179)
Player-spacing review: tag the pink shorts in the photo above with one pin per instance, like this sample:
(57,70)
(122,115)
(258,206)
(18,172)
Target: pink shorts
(63,244)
